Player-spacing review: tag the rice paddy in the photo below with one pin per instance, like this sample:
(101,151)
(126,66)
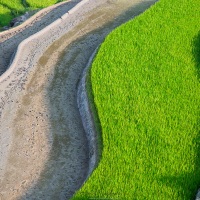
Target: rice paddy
(5,15)
(145,82)
(40,4)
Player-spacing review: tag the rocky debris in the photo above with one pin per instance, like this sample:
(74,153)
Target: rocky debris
(198,195)
(5,28)
(18,20)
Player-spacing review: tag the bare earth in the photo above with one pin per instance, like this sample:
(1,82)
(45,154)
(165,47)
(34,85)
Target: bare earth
(48,155)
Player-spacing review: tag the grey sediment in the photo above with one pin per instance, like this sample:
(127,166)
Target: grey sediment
(44,150)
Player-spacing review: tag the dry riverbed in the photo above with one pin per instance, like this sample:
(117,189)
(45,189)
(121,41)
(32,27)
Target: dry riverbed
(47,157)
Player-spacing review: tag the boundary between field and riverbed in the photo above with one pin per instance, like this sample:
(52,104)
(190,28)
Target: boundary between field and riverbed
(26,56)
(102,169)
(87,117)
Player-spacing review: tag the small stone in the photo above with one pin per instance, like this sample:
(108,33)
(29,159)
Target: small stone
(5,28)
(16,24)
(198,195)
(18,20)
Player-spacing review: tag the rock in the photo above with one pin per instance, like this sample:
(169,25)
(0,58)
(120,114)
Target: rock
(18,20)
(198,195)
(6,28)
(16,24)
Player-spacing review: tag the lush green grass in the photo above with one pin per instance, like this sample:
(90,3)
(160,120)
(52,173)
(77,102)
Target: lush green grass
(145,81)
(16,4)
(11,9)
(5,15)
(41,4)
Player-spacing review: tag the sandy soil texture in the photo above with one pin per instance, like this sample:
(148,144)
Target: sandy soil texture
(47,157)
(12,38)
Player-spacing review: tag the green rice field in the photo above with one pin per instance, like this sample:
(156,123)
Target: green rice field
(146,87)
(40,4)
(5,15)
(11,9)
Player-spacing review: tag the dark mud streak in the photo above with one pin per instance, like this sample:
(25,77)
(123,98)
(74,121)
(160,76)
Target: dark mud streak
(87,119)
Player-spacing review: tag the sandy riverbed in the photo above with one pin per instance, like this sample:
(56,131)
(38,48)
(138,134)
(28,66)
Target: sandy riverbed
(45,155)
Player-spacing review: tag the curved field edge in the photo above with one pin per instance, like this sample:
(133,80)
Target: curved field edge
(145,81)
(89,116)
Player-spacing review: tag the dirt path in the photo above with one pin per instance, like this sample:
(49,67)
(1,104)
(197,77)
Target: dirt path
(48,157)
(12,38)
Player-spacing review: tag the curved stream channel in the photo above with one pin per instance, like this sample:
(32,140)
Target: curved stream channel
(48,157)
